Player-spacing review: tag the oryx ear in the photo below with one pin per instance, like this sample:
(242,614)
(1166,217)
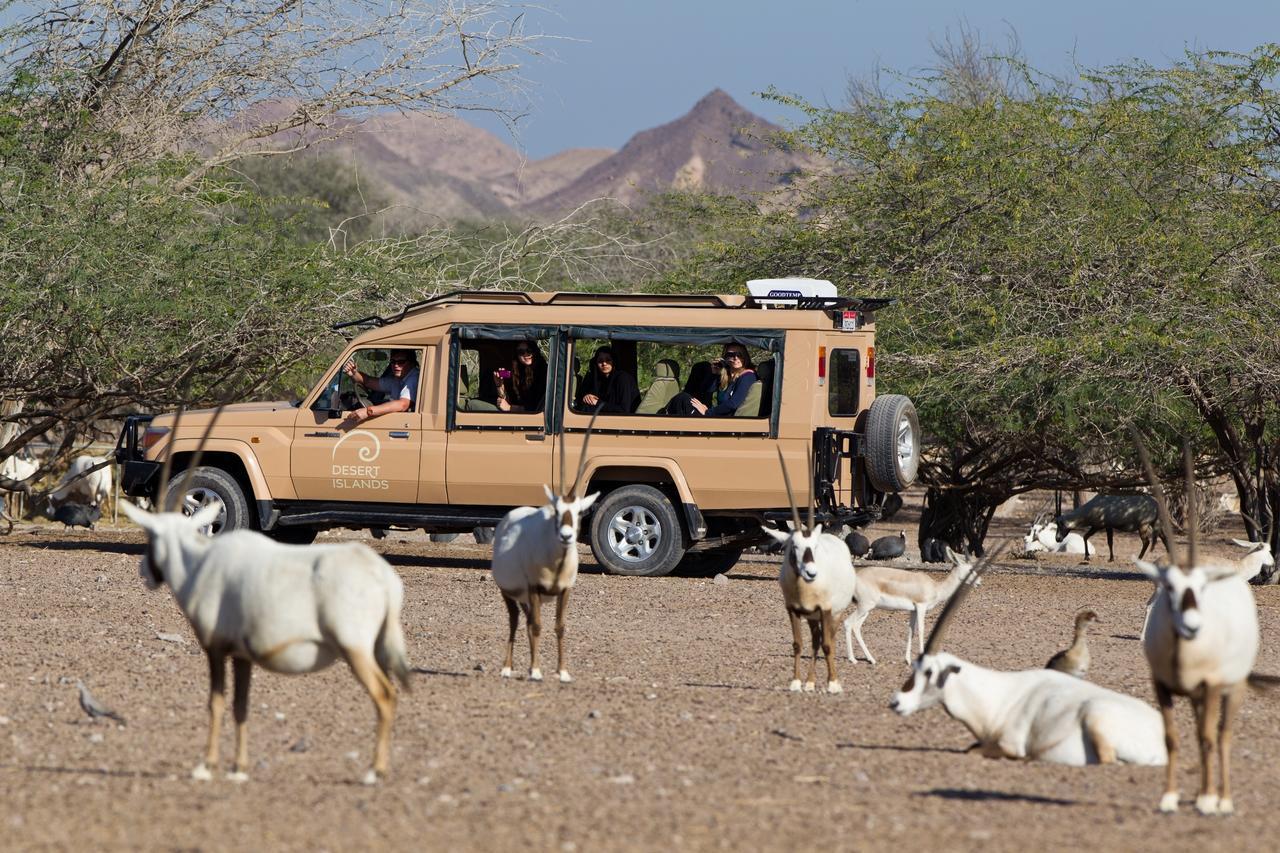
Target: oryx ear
(586,502)
(950,670)
(551,496)
(779,536)
(1217,573)
(205,516)
(817,530)
(1151,570)
(137,515)
(1252,546)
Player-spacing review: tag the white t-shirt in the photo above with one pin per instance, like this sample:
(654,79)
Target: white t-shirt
(401,389)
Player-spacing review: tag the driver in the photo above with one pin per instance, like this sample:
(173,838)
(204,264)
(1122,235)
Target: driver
(400,384)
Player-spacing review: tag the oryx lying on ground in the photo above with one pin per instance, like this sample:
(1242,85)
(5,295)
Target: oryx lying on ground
(1037,714)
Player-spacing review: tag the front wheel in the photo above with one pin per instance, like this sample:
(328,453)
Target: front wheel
(893,443)
(208,485)
(635,531)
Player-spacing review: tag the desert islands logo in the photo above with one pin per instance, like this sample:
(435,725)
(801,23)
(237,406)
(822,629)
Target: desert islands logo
(363,475)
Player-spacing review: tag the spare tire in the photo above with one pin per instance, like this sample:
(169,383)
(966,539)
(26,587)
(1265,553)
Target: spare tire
(893,443)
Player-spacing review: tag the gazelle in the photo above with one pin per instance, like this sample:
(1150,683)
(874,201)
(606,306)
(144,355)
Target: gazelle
(1201,641)
(884,588)
(817,580)
(1037,714)
(535,555)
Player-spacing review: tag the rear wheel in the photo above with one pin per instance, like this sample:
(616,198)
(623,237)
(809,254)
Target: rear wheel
(483,535)
(893,443)
(207,485)
(635,531)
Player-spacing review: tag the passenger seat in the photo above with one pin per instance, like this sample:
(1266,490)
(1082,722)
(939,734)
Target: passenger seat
(759,402)
(467,403)
(666,384)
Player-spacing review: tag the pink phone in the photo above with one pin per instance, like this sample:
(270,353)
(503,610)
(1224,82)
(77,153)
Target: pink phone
(503,373)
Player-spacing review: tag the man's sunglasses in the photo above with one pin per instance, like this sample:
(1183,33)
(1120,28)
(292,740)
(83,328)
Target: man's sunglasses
(523,351)
(736,355)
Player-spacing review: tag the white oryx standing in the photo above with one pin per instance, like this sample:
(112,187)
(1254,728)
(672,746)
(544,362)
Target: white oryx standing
(1037,714)
(287,608)
(817,579)
(1201,641)
(535,555)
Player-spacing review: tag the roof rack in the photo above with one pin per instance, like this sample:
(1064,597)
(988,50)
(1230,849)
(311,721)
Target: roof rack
(608,300)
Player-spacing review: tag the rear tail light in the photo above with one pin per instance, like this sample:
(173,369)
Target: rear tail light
(822,365)
(871,362)
(152,436)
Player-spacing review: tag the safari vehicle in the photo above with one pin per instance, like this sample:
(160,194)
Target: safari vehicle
(686,492)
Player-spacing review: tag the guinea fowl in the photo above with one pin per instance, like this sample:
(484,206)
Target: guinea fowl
(1075,660)
(858,544)
(888,547)
(77,515)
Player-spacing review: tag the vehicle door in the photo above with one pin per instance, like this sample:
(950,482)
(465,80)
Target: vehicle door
(333,459)
(497,457)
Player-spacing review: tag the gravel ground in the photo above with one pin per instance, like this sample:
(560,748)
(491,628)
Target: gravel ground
(678,732)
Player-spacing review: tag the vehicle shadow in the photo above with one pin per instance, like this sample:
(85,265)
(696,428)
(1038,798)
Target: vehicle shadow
(134,548)
(970,794)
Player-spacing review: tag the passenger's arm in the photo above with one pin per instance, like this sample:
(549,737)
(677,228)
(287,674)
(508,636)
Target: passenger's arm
(736,397)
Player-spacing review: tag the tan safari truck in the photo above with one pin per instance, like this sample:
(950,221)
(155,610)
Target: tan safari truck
(678,492)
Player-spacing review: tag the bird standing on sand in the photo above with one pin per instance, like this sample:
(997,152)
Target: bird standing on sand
(1075,660)
(93,707)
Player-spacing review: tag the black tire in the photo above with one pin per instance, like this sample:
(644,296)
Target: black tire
(484,535)
(206,485)
(635,531)
(893,443)
(442,538)
(707,564)
(294,535)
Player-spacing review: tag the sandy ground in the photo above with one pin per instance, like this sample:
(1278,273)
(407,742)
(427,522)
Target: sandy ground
(678,732)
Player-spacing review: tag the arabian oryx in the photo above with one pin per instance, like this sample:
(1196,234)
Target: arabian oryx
(535,555)
(287,608)
(1201,641)
(1037,714)
(817,580)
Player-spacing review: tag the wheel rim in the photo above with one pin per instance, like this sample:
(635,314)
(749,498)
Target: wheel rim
(906,444)
(634,534)
(197,499)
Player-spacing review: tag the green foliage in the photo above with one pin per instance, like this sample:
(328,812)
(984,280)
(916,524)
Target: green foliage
(1066,259)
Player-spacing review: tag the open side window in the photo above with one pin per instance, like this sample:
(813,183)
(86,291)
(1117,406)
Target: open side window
(500,376)
(388,373)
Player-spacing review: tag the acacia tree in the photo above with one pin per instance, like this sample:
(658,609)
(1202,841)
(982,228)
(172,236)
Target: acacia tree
(1068,260)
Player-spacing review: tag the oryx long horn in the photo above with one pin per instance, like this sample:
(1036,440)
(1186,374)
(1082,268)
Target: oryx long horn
(791,497)
(167,468)
(195,457)
(1157,491)
(582,456)
(560,485)
(1193,511)
(953,603)
(813,490)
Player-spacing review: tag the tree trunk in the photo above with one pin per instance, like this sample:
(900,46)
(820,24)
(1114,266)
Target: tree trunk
(957,517)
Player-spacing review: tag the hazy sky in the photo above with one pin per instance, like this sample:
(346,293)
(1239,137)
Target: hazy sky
(639,63)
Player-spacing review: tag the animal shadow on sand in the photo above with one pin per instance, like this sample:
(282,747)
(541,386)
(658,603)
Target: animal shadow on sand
(971,794)
(893,747)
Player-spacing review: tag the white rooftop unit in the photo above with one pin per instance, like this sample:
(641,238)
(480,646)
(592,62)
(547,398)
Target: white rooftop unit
(787,292)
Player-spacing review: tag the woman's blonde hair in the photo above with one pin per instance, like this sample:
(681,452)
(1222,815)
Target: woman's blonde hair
(746,365)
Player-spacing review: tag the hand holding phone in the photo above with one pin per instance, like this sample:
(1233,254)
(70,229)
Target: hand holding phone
(503,373)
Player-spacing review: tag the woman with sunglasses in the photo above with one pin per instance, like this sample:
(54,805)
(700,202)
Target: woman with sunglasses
(399,382)
(607,387)
(733,376)
(525,384)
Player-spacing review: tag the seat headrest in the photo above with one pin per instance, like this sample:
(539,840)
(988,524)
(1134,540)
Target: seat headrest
(765,370)
(666,369)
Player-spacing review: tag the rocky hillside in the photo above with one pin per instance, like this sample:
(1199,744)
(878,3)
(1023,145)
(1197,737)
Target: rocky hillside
(445,168)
